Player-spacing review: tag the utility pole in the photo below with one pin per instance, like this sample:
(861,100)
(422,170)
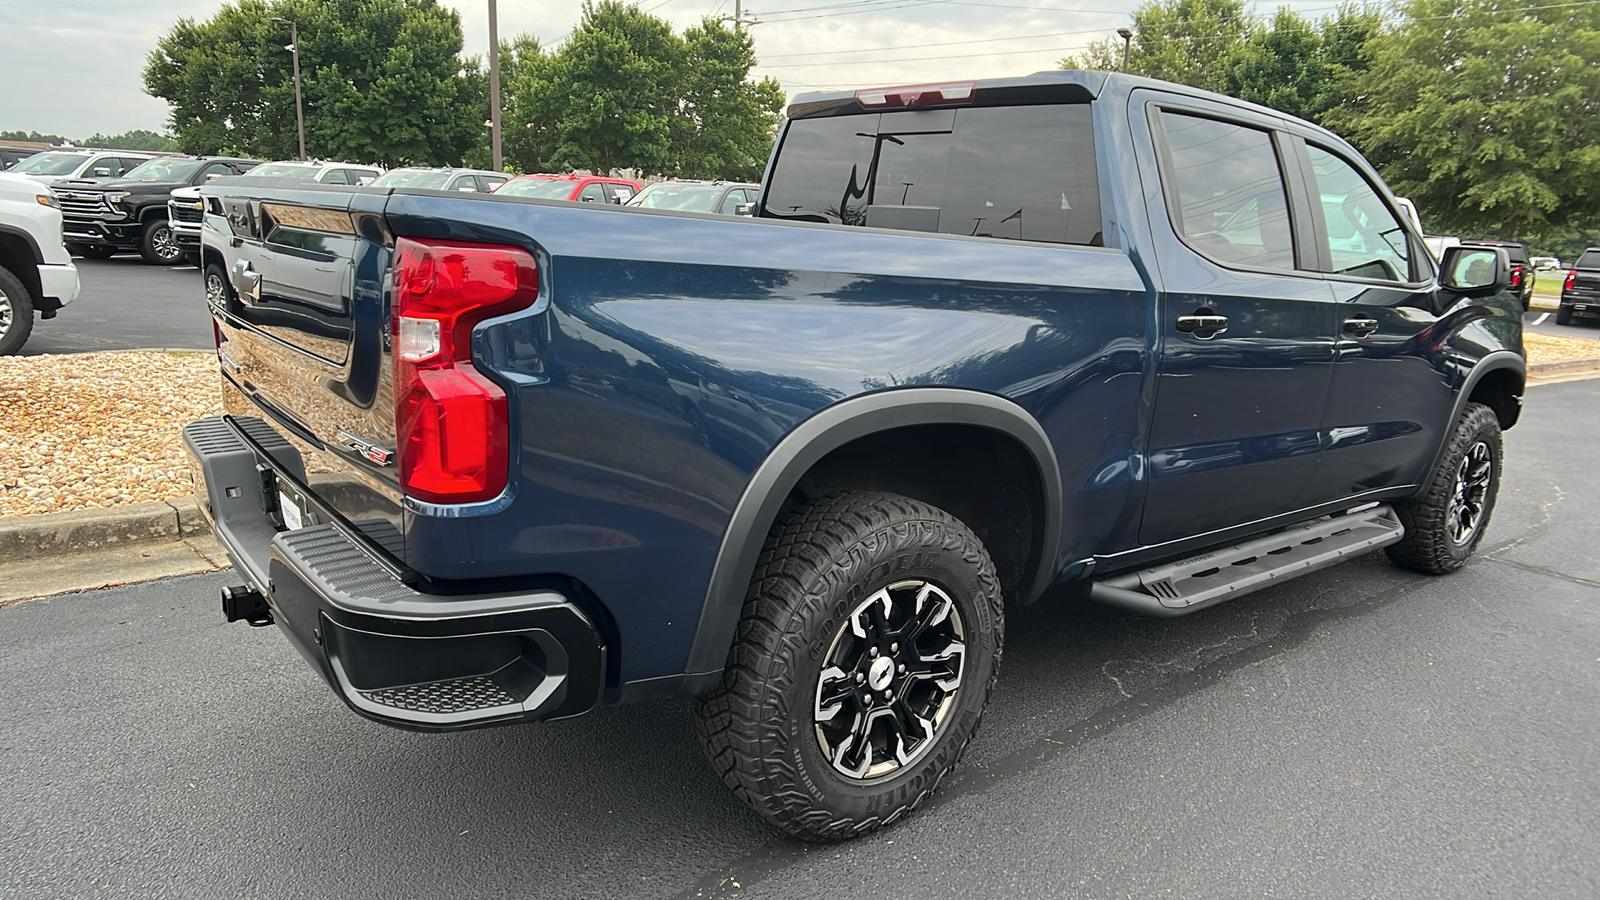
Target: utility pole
(739,19)
(299,109)
(494,84)
(1127,41)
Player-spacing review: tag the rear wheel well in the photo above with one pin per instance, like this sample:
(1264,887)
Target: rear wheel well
(983,477)
(1501,391)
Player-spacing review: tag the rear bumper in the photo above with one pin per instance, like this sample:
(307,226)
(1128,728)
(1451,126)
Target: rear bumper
(393,653)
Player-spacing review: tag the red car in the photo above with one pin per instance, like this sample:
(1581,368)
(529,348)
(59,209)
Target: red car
(580,188)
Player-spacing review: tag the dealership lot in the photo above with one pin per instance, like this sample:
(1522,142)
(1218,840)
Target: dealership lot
(1362,731)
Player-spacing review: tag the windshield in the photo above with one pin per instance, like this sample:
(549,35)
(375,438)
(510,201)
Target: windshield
(685,197)
(284,170)
(164,169)
(544,188)
(412,178)
(51,163)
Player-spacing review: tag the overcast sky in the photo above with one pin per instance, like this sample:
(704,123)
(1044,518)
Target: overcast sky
(73,67)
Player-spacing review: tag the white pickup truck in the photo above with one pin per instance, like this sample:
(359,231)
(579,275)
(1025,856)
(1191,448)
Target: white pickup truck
(36,272)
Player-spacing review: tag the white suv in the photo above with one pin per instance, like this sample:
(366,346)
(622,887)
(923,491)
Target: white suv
(56,166)
(36,273)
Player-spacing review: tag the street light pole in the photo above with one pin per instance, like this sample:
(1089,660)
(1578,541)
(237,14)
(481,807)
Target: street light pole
(1127,41)
(299,109)
(494,84)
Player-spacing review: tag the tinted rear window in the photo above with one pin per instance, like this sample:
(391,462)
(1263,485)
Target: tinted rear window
(1013,173)
(1589,260)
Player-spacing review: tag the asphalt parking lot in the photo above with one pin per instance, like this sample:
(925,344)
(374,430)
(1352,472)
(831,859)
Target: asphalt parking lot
(127,305)
(1359,732)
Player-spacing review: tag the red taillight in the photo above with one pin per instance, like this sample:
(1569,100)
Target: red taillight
(1572,276)
(1516,276)
(452,423)
(912,96)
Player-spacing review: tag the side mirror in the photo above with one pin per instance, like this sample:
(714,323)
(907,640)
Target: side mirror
(102,172)
(213,176)
(1475,271)
(745,209)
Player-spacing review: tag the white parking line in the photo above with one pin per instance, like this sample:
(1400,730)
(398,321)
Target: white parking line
(1542,317)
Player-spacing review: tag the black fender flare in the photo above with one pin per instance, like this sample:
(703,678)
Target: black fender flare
(825,431)
(1491,362)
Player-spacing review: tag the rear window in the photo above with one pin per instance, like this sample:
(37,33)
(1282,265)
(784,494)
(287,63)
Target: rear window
(543,188)
(413,178)
(1013,173)
(1589,260)
(51,163)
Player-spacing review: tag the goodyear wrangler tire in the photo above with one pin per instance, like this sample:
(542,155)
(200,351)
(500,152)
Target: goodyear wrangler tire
(1445,523)
(869,643)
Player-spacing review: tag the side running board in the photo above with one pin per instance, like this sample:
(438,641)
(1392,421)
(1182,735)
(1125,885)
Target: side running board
(1178,588)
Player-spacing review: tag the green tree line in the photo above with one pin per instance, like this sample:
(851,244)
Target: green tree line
(385,81)
(1486,113)
(137,139)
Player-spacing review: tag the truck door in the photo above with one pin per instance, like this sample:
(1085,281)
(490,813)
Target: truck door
(1246,331)
(1390,400)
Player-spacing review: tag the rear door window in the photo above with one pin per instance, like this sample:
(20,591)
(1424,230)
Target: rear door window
(1011,173)
(463,183)
(335,176)
(487,183)
(1589,260)
(1225,191)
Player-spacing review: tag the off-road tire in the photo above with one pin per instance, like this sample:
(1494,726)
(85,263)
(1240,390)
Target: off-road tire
(157,245)
(820,562)
(1564,315)
(1429,545)
(16,313)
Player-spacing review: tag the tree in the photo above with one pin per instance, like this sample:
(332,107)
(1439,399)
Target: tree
(609,93)
(137,139)
(383,81)
(1187,41)
(725,123)
(1280,65)
(1288,63)
(1487,113)
(624,92)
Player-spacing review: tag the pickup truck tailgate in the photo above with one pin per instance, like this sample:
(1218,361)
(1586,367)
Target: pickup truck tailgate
(302,331)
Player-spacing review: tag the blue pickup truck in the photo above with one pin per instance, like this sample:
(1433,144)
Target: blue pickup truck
(491,460)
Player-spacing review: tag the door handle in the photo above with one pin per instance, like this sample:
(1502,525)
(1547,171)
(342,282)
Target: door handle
(1360,326)
(1203,324)
(247,279)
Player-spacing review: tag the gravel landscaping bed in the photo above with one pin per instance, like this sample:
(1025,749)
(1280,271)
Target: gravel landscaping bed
(97,429)
(87,430)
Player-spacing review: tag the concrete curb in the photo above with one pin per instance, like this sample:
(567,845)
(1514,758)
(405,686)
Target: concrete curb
(52,534)
(35,537)
(1563,367)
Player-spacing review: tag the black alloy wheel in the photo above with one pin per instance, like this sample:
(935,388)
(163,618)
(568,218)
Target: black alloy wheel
(890,680)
